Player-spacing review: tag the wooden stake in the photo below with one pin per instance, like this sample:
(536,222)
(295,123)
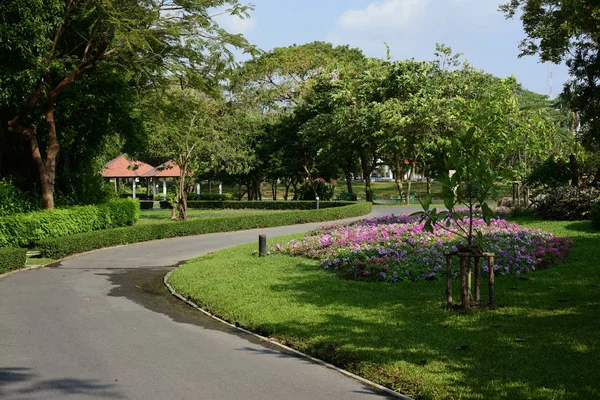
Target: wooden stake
(463,283)
(449,300)
(491,273)
(477,279)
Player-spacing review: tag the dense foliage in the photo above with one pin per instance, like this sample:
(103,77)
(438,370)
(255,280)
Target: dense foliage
(567,203)
(22,230)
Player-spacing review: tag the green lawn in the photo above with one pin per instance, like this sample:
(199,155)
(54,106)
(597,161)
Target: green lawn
(153,216)
(399,335)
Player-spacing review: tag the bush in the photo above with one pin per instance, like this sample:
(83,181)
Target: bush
(22,230)
(324,190)
(12,200)
(67,245)
(552,173)
(567,203)
(595,214)
(347,196)
(146,204)
(12,258)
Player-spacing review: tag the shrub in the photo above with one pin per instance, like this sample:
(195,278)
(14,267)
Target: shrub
(324,190)
(552,173)
(567,203)
(67,245)
(12,200)
(12,258)
(595,214)
(22,230)
(347,196)
(146,204)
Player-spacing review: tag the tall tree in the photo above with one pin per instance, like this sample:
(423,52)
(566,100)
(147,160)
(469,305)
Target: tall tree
(569,31)
(47,46)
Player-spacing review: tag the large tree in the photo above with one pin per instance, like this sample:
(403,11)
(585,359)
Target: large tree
(47,46)
(567,31)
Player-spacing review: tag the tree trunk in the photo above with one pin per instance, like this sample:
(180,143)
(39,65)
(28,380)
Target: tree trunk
(348,176)
(366,171)
(409,183)
(398,172)
(274,189)
(574,171)
(47,169)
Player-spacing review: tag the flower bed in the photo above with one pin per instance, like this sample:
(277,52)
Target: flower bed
(396,248)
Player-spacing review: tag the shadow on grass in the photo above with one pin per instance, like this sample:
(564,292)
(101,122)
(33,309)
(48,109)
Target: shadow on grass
(542,345)
(24,382)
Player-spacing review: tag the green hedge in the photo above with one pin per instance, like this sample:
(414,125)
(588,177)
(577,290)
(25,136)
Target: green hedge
(21,230)
(146,204)
(64,246)
(12,258)
(260,205)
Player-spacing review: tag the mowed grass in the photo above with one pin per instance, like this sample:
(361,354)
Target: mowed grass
(154,216)
(543,344)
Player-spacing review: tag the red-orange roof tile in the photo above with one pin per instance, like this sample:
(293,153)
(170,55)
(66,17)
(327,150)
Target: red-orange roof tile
(170,169)
(122,167)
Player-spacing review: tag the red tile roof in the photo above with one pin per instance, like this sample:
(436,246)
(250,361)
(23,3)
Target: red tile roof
(170,169)
(123,167)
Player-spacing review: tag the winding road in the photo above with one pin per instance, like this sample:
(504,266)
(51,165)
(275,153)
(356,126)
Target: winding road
(102,326)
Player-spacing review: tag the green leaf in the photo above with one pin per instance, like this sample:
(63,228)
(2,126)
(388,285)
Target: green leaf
(426,202)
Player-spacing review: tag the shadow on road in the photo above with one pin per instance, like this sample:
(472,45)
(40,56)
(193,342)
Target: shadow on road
(23,383)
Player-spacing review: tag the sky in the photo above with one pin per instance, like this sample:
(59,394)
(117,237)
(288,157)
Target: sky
(411,27)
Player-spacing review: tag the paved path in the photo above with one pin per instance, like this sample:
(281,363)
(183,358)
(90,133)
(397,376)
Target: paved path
(100,326)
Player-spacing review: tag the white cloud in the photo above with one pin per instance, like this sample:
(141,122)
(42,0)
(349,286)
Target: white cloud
(390,15)
(235,24)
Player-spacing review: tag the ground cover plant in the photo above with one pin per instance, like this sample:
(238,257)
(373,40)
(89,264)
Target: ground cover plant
(398,248)
(541,345)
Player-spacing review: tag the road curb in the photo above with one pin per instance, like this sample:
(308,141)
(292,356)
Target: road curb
(367,382)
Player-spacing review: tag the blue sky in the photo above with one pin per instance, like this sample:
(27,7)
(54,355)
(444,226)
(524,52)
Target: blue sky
(410,27)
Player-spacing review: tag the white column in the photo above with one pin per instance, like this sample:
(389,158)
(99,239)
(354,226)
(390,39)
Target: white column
(165,187)
(391,174)
(209,187)
(133,187)
(197,188)
(220,188)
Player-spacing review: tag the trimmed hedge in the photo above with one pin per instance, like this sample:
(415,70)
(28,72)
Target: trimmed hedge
(12,258)
(260,205)
(67,245)
(146,204)
(22,230)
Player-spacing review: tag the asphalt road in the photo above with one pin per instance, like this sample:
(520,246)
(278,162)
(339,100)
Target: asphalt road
(102,326)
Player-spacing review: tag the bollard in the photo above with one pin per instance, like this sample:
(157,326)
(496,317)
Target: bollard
(317,197)
(262,245)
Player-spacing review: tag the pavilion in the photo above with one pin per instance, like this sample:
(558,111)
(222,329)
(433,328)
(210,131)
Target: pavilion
(170,169)
(123,167)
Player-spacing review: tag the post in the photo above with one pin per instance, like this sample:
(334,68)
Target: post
(133,187)
(165,188)
(464,300)
(220,187)
(491,273)
(198,189)
(449,300)
(317,197)
(477,279)
(262,245)
(209,187)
